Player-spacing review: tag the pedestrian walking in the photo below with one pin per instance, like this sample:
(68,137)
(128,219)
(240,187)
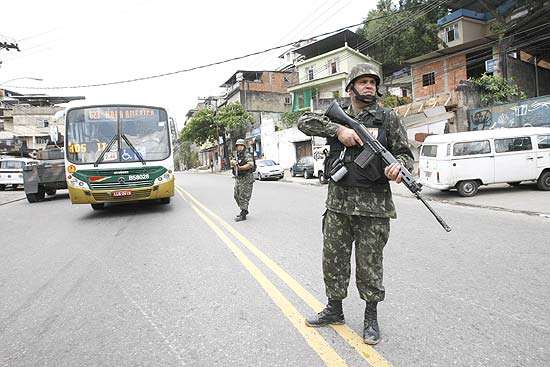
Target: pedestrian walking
(244,179)
(359,202)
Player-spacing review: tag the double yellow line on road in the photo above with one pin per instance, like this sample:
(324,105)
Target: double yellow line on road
(312,337)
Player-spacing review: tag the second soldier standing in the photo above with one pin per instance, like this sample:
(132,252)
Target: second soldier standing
(244,179)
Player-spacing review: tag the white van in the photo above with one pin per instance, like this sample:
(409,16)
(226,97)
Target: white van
(467,160)
(11,171)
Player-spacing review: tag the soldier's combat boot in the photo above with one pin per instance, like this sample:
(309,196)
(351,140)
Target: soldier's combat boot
(332,314)
(371,330)
(241,216)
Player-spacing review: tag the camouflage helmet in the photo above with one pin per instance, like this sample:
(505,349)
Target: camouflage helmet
(363,69)
(240,142)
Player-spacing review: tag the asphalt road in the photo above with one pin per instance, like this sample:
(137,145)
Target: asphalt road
(182,284)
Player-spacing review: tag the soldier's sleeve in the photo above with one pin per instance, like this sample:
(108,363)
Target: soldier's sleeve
(249,159)
(318,125)
(398,142)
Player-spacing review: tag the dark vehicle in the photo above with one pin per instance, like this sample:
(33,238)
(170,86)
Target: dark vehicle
(304,167)
(46,176)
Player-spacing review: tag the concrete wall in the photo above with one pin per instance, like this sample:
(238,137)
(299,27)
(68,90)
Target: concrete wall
(523,74)
(279,145)
(264,101)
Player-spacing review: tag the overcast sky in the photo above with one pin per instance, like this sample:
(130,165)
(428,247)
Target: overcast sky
(71,43)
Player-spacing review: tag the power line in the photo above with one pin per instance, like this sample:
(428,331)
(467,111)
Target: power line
(363,46)
(188,69)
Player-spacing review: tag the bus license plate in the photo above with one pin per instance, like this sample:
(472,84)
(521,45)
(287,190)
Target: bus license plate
(120,193)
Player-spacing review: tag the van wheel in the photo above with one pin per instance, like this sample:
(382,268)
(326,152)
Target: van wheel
(165,200)
(98,206)
(514,184)
(467,188)
(543,182)
(2,187)
(51,192)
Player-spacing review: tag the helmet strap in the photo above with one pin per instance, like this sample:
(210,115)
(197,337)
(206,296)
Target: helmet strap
(366,98)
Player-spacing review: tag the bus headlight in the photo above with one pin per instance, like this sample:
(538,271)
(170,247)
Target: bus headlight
(161,179)
(75,182)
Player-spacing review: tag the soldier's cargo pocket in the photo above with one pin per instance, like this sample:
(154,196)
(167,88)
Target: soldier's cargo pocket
(324,215)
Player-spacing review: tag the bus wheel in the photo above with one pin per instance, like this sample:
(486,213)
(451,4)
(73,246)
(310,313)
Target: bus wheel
(99,206)
(467,188)
(543,182)
(165,200)
(2,187)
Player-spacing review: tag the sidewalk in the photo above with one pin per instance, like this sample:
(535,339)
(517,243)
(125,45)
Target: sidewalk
(525,199)
(9,196)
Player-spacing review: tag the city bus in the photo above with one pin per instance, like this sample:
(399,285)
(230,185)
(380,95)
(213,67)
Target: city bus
(118,153)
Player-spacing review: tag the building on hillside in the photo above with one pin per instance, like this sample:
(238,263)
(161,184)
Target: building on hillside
(322,72)
(440,101)
(263,94)
(25,121)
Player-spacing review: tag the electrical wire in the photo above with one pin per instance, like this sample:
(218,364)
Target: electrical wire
(363,46)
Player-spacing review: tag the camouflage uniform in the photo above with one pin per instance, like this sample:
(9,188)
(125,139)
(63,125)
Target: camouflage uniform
(358,214)
(244,181)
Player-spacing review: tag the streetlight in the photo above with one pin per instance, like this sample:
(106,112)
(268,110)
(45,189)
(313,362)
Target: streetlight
(23,77)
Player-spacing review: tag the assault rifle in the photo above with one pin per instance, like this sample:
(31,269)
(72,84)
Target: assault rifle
(372,147)
(235,168)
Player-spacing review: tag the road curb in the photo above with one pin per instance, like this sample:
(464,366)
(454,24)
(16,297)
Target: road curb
(11,201)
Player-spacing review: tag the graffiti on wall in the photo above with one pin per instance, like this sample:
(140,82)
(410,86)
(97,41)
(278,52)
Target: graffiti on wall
(528,112)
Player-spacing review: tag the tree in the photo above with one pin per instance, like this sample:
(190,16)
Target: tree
(207,125)
(290,119)
(402,32)
(201,128)
(497,90)
(188,155)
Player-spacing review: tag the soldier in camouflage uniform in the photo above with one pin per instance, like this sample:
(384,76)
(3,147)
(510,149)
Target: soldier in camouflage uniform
(244,179)
(359,206)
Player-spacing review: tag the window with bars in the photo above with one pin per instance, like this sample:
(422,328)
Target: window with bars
(451,33)
(428,79)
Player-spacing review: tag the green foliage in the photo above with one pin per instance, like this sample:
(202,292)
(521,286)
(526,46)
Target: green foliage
(391,101)
(401,41)
(201,128)
(188,155)
(233,115)
(290,119)
(497,90)
(206,124)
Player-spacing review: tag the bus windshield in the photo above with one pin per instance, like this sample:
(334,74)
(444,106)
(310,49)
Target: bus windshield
(125,133)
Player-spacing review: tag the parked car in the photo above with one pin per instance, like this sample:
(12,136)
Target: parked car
(266,168)
(11,171)
(304,167)
(467,160)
